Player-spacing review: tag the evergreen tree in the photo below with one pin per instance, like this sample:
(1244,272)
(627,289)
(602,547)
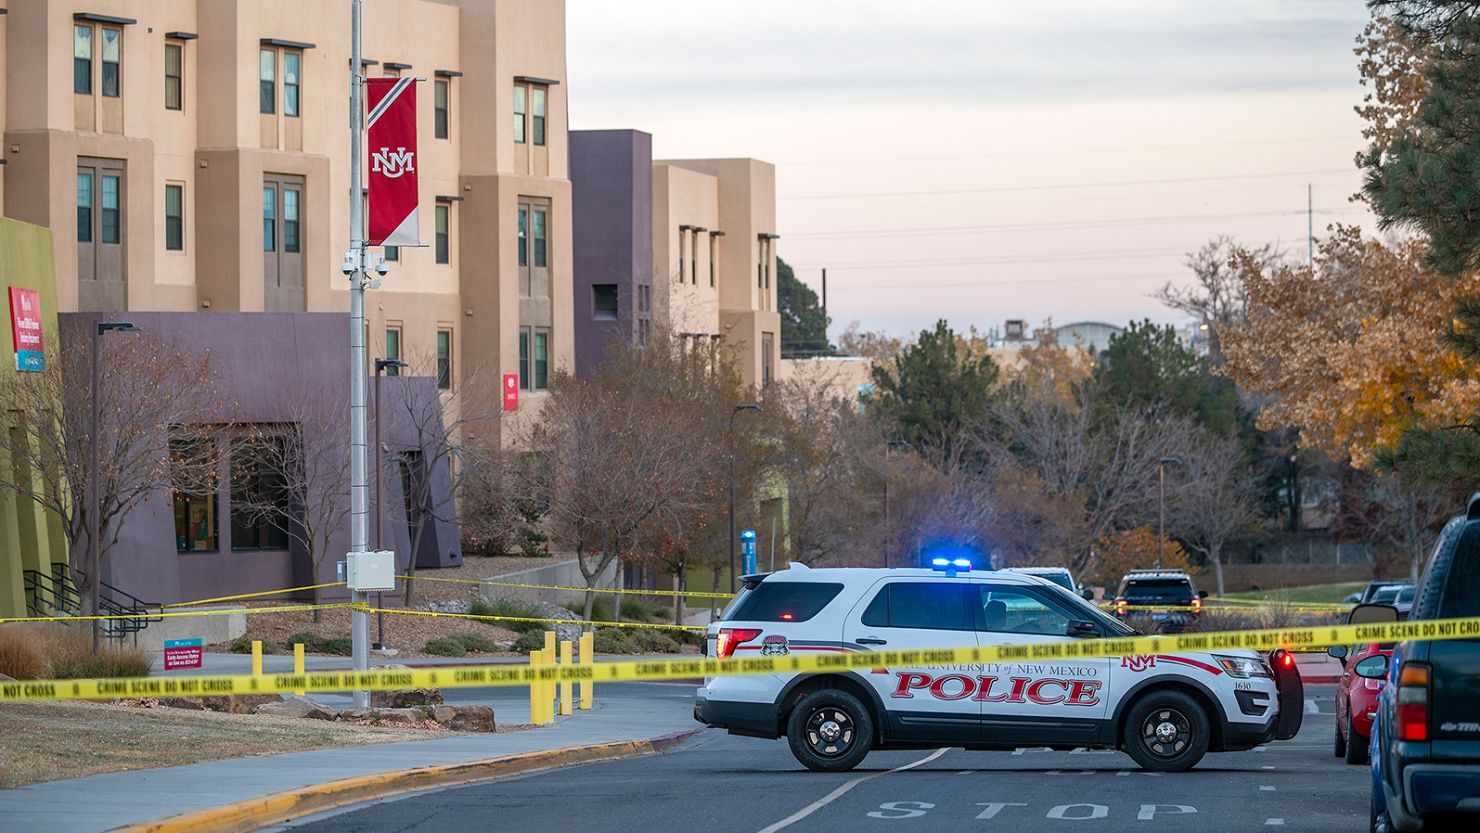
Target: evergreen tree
(1148,366)
(803,320)
(933,392)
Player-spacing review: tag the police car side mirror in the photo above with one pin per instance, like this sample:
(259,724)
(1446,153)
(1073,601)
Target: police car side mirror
(1087,594)
(1202,594)
(1082,628)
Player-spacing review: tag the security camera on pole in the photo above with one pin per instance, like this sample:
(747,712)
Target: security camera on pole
(394,220)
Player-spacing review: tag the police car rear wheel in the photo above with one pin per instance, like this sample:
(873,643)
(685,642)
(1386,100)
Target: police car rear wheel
(1166,732)
(830,731)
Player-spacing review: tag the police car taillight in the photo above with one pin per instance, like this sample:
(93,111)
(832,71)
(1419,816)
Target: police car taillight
(731,638)
(1413,702)
(1120,606)
(1196,605)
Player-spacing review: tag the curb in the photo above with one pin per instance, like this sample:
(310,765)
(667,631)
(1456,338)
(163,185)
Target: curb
(282,807)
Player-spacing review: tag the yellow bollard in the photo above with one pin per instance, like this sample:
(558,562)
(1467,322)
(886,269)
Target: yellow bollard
(550,688)
(534,690)
(566,706)
(256,658)
(298,664)
(588,657)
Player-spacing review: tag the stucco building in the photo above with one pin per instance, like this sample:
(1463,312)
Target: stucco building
(684,245)
(192,155)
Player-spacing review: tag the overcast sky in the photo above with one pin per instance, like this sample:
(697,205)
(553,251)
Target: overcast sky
(979,161)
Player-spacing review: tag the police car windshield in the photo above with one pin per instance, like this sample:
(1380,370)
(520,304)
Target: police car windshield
(1091,613)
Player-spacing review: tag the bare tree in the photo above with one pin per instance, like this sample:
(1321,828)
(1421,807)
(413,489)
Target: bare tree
(440,426)
(290,480)
(1216,297)
(1215,498)
(1385,509)
(161,394)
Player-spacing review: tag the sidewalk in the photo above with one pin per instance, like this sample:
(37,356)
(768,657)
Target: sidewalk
(102,802)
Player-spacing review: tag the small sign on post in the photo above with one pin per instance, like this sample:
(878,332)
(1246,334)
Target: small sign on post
(181,653)
(747,551)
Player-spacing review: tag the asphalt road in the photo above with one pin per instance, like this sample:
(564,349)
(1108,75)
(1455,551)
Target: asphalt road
(722,784)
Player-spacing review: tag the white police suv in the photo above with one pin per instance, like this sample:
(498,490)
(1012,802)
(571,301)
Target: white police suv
(1165,710)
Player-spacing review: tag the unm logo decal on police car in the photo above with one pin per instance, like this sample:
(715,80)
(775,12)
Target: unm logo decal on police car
(775,645)
(1138,663)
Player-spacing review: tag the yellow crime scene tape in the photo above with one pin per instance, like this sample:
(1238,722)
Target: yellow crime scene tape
(253,595)
(492,618)
(177,614)
(678,669)
(686,594)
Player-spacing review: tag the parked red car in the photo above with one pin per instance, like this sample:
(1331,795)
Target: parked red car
(1365,673)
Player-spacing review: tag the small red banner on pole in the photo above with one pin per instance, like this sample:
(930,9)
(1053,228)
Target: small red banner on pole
(394,219)
(511,391)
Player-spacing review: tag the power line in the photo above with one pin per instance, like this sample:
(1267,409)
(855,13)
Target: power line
(1061,186)
(1017,282)
(1082,152)
(926,231)
(1119,254)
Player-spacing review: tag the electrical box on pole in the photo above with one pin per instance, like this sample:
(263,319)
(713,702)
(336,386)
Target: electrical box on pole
(370,571)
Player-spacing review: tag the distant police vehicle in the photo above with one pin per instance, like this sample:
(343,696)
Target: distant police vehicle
(1165,710)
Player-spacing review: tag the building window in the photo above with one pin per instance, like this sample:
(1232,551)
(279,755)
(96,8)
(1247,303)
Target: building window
(523,359)
(713,259)
(683,251)
(111,231)
(768,346)
(393,350)
(267,82)
(269,218)
(82,57)
(84,207)
(541,358)
(440,108)
(519,92)
(537,112)
(174,217)
(174,76)
(112,46)
(694,260)
(444,252)
(444,359)
(193,473)
(392,253)
(539,238)
(260,501)
(291,241)
(604,301)
(292,63)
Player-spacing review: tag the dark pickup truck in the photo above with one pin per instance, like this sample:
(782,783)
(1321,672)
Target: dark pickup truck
(1426,742)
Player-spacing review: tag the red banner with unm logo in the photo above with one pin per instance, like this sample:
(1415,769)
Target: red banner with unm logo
(394,220)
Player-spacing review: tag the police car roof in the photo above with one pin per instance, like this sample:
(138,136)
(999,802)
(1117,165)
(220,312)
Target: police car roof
(1157,574)
(845,574)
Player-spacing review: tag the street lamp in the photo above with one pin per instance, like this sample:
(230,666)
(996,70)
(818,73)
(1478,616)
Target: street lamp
(744,406)
(380,366)
(888,534)
(95,500)
(1161,526)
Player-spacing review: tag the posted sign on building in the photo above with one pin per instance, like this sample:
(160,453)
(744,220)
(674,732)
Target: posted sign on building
(25,327)
(511,391)
(181,653)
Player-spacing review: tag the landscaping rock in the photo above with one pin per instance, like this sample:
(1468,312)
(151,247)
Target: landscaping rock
(295,706)
(407,716)
(239,703)
(6,678)
(188,703)
(464,718)
(402,698)
(454,606)
(549,610)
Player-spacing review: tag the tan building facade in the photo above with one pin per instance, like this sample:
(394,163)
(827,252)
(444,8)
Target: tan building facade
(193,155)
(714,258)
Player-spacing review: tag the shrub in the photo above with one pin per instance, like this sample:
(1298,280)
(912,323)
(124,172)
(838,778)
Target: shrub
(243,645)
(655,642)
(23,653)
(474,642)
(637,610)
(527,642)
(601,609)
(315,644)
(70,653)
(508,607)
(446,646)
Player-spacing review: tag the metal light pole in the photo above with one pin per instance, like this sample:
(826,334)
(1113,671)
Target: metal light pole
(380,366)
(734,576)
(355,261)
(888,527)
(1161,523)
(95,499)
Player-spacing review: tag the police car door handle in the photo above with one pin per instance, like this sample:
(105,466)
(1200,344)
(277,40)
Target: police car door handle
(871,640)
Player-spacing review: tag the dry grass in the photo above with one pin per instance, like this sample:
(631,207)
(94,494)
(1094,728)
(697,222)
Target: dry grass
(64,652)
(50,741)
(407,634)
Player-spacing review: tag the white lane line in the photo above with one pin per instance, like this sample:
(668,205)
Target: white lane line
(843,790)
(1266,767)
(1274,822)
(1311,707)
(966,772)
(1266,789)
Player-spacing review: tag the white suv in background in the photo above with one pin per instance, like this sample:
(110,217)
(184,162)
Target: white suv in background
(1164,710)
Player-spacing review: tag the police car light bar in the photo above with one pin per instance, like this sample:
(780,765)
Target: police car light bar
(950,563)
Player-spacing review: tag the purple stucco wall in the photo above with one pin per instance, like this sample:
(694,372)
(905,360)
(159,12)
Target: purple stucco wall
(266,364)
(611,174)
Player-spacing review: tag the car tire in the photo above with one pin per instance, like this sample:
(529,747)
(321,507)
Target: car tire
(1356,751)
(1340,748)
(830,731)
(1166,731)
(1376,820)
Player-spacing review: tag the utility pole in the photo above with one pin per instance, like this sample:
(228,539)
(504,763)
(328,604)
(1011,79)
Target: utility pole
(358,481)
(824,292)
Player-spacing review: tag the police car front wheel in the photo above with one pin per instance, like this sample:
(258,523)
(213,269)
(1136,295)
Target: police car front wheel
(830,731)
(1166,731)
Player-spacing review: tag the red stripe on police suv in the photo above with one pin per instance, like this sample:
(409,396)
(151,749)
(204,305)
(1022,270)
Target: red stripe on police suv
(1042,691)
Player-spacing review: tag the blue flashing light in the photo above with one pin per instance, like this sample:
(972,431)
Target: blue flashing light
(747,535)
(961,563)
(940,562)
(951,565)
